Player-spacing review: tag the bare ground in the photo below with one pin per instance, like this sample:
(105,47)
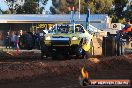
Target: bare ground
(61,74)
(25,72)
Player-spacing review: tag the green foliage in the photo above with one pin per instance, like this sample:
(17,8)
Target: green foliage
(96,6)
(61,6)
(121,20)
(44,2)
(128,12)
(114,8)
(52,9)
(103,6)
(119,12)
(11,5)
(29,7)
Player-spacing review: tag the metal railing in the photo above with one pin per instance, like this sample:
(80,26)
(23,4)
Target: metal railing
(93,29)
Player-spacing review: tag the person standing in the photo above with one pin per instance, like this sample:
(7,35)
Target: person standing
(127,30)
(128,27)
(13,40)
(8,40)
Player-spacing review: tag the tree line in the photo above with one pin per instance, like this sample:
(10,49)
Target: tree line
(29,7)
(118,10)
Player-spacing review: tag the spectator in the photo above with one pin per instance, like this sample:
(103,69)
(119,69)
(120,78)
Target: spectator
(128,27)
(127,30)
(13,40)
(37,40)
(8,40)
(17,40)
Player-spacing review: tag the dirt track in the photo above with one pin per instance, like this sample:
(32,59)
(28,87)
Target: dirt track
(36,73)
(61,74)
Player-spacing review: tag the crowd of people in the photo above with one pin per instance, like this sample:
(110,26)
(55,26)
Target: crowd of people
(13,38)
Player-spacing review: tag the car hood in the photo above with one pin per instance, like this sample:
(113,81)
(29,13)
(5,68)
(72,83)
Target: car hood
(63,35)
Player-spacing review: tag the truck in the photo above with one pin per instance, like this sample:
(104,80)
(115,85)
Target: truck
(63,40)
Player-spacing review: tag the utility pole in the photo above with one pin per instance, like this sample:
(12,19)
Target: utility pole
(79,8)
(88,18)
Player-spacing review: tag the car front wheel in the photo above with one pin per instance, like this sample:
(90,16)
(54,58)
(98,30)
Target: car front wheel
(82,54)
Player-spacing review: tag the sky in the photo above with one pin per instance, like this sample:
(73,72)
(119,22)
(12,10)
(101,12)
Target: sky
(49,3)
(3,5)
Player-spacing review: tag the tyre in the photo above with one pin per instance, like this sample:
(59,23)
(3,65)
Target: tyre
(81,54)
(45,51)
(26,41)
(67,56)
(54,54)
(85,54)
(79,51)
(42,54)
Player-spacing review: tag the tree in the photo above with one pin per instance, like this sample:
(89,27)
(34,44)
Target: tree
(1,11)
(96,6)
(119,11)
(128,12)
(59,6)
(29,7)
(52,9)
(6,12)
(103,6)
(44,2)
(11,5)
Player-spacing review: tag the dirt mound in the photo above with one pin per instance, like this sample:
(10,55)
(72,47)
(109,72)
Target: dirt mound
(20,54)
(115,62)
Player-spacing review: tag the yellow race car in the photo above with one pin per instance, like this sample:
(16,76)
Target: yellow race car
(66,40)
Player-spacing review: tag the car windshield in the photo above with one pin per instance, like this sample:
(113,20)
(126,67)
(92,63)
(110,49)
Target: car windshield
(66,29)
